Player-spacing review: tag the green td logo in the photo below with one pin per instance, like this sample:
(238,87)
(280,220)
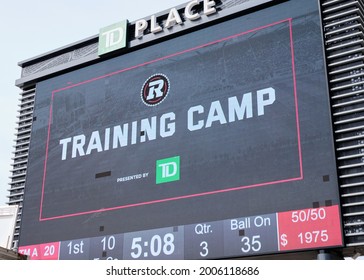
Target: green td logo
(168,170)
(113,37)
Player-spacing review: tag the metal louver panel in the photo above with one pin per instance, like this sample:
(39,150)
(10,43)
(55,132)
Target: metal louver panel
(343,22)
(20,159)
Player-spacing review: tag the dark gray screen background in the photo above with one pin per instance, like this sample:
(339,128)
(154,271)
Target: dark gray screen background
(238,153)
(251,151)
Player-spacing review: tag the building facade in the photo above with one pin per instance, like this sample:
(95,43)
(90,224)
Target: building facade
(342,25)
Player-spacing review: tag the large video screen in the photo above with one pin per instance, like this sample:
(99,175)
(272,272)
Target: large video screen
(214,144)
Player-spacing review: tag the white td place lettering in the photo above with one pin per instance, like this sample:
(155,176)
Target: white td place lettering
(113,37)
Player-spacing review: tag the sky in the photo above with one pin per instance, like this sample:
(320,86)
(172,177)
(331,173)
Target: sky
(32,27)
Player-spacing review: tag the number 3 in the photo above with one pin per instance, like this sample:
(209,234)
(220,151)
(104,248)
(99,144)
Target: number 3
(205,250)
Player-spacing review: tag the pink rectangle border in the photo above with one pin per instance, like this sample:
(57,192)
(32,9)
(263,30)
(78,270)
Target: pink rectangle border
(288,20)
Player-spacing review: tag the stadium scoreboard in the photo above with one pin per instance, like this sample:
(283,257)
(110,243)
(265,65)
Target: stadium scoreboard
(216,143)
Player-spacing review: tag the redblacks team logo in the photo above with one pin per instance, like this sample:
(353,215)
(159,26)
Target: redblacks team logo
(155,90)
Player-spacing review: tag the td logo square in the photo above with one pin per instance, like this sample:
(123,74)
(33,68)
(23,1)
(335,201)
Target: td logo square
(168,170)
(113,37)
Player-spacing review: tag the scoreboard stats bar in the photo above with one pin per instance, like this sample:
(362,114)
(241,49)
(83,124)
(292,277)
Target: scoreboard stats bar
(244,236)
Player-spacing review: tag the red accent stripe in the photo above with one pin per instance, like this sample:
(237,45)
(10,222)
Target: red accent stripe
(289,20)
(295,98)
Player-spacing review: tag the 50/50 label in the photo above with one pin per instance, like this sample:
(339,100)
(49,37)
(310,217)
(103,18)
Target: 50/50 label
(308,215)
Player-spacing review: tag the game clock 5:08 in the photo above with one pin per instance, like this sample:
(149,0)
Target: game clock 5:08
(156,246)
(166,243)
